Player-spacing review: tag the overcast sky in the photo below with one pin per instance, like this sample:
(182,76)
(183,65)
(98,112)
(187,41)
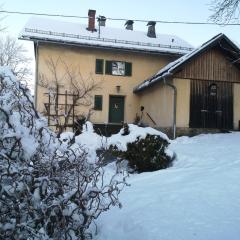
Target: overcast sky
(171,10)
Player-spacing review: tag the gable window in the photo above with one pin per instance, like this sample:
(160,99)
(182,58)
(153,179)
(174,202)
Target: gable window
(98,102)
(213,90)
(99,66)
(118,68)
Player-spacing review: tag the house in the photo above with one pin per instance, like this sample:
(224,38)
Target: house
(178,97)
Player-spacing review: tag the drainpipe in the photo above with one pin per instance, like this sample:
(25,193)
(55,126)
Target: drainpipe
(174,103)
(36,74)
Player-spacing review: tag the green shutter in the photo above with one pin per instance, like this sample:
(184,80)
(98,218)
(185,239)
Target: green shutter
(108,67)
(99,66)
(98,102)
(128,69)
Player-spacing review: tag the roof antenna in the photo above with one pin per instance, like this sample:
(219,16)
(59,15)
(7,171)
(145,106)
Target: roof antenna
(99,27)
(101,23)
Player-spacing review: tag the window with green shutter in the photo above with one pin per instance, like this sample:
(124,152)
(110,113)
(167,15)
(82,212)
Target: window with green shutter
(99,66)
(118,68)
(108,67)
(128,69)
(98,102)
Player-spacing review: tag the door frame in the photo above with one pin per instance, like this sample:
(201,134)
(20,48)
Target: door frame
(120,96)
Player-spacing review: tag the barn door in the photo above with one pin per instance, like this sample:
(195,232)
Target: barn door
(211,105)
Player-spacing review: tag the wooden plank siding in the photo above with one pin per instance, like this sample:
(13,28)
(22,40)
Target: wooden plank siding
(211,111)
(210,65)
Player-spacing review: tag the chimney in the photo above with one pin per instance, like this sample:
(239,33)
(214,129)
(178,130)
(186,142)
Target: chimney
(129,24)
(102,21)
(151,29)
(91,20)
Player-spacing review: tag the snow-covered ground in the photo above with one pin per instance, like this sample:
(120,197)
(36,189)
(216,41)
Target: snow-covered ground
(198,198)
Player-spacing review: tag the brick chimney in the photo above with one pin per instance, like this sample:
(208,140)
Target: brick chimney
(151,29)
(91,20)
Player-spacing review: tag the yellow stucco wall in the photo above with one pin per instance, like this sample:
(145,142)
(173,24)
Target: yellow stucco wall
(143,66)
(236,105)
(158,103)
(183,102)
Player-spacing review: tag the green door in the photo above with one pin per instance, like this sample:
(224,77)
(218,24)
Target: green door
(116,109)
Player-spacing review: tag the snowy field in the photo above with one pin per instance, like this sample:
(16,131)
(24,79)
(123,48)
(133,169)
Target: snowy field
(198,198)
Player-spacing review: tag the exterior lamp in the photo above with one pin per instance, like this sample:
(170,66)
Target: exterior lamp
(118,88)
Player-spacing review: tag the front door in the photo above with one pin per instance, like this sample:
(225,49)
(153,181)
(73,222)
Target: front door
(116,109)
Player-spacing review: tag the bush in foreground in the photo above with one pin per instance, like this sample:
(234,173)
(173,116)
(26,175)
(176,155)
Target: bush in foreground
(146,154)
(48,189)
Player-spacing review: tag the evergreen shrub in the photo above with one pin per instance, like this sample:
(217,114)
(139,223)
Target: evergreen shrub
(146,155)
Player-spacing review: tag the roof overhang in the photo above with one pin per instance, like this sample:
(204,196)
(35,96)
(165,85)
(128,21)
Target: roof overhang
(96,46)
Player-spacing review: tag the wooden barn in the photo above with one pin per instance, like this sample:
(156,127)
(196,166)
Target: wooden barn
(197,92)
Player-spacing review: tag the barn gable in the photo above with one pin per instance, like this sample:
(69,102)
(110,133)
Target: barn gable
(215,64)
(218,59)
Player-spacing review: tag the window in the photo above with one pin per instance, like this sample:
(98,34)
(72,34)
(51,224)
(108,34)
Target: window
(213,90)
(99,66)
(118,68)
(98,102)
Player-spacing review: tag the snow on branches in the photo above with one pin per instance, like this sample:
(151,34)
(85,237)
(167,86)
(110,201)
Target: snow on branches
(48,189)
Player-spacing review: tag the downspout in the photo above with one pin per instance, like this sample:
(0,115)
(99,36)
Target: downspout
(174,103)
(36,74)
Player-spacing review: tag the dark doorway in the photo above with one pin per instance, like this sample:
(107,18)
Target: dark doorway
(211,105)
(116,109)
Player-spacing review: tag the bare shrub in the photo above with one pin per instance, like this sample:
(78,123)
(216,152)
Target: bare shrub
(48,189)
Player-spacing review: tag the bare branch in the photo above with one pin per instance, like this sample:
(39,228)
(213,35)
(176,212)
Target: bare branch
(225,11)
(14,55)
(81,90)
(47,190)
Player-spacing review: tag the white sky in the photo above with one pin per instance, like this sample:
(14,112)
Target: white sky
(174,10)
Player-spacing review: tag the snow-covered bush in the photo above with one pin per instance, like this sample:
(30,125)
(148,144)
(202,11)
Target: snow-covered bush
(146,154)
(48,189)
(125,129)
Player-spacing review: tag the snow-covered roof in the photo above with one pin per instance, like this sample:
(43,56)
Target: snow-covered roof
(172,67)
(75,33)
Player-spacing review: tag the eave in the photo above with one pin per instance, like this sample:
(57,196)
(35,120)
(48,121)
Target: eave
(96,46)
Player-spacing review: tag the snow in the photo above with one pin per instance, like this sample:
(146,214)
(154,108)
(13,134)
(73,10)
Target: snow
(88,140)
(135,131)
(92,141)
(49,29)
(198,198)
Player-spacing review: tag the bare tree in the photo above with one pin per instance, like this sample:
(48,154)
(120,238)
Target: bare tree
(225,11)
(2,28)
(14,55)
(80,89)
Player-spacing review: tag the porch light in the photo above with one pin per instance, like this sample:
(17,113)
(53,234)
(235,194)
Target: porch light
(118,88)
